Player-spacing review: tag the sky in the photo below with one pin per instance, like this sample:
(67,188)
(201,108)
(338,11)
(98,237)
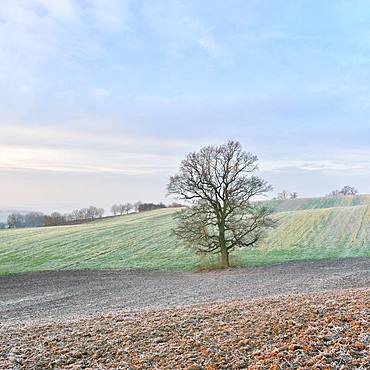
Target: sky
(100,100)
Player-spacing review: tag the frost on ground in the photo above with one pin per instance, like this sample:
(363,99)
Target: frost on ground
(317,330)
(56,295)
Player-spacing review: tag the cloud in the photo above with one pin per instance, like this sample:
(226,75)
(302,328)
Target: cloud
(344,162)
(77,148)
(50,51)
(210,45)
(94,135)
(179,28)
(23,157)
(34,33)
(112,14)
(60,149)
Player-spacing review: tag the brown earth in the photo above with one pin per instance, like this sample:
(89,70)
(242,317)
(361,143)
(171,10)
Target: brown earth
(69,294)
(300,315)
(311,331)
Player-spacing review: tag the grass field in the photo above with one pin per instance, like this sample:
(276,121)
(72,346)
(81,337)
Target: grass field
(323,202)
(307,229)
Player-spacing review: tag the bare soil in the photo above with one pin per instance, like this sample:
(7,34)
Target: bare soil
(62,295)
(327,330)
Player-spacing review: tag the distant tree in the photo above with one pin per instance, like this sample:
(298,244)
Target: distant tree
(143,207)
(92,213)
(49,221)
(218,181)
(54,219)
(334,193)
(2,225)
(15,220)
(75,215)
(346,190)
(69,217)
(283,195)
(127,207)
(121,209)
(12,221)
(349,190)
(59,218)
(83,214)
(100,213)
(34,219)
(114,209)
(137,206)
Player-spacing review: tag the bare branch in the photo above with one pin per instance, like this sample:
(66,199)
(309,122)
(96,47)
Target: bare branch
(219,182)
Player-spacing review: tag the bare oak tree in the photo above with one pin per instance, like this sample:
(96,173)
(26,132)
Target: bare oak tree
(127,207)
(218,181)
(285,194)
(114,209)
(137,206)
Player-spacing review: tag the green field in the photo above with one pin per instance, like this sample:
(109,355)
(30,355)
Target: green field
(323,202)
(307,229)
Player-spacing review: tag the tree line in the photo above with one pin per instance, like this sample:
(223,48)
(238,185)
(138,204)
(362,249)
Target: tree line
(126,208)
(39,219)
(285,194)
(346,190)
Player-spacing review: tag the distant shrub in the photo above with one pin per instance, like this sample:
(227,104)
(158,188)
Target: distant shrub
(150,206)
(346,190)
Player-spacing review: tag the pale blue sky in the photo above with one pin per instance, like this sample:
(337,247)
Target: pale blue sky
(101,99)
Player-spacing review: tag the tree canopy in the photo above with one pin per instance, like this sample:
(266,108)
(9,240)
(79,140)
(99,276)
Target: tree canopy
(219,184)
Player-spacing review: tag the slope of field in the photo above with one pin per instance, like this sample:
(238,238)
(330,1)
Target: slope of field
(319,233)
(323,202)
(145,241)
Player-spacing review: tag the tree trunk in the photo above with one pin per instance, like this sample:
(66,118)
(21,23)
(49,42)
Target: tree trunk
(224,257)
(223,248)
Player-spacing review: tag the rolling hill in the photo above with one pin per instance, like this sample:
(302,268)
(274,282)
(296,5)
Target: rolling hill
(308,228)
(320,202)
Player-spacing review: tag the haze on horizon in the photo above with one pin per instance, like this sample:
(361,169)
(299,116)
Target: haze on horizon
(101,99)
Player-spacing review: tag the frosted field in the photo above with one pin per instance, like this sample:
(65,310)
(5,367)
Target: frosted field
(145,241)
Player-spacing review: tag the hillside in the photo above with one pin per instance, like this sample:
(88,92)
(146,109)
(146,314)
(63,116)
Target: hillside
(145,241)
(320,202)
